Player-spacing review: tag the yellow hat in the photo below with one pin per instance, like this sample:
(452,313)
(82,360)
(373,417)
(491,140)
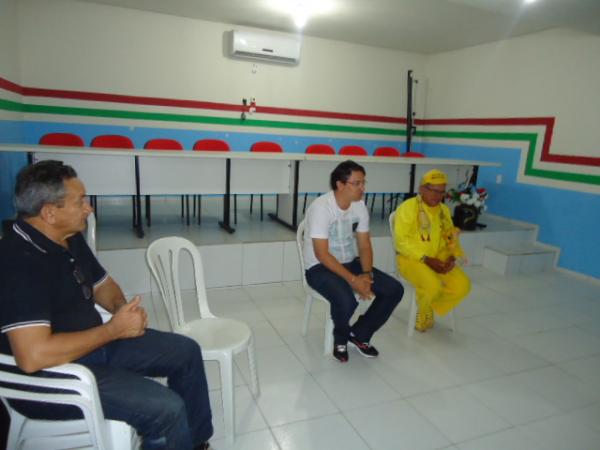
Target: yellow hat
(434,176)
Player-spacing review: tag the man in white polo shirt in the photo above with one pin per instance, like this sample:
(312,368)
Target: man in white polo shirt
(338,257)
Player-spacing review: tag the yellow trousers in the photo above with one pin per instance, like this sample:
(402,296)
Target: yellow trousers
(440,291)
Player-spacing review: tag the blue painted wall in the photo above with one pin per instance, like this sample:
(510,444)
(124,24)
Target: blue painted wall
(10,164)
(567,219)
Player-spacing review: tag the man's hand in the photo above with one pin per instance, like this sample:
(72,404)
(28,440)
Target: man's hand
(449,264)
(130,320)
(435,264)
(362,285)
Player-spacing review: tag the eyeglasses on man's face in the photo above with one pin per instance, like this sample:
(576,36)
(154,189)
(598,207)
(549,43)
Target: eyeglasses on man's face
(435,191)
(357,183)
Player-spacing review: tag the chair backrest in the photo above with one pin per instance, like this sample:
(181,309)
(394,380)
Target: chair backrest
(211,145)
(62,139)
(82,393)
(267,147)
(392,222)
(112,141)
(320,149)
(90,235)
(300,247)
(163,259)
(386,151)
(412,155)
(163,144)
(353,150)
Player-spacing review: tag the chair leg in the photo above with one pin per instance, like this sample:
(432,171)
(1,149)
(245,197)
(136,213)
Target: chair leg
(252,366)
(412,320)
(261,207)
(452,320)
(307,308)
(182,207)
(148,212)
(373,203)
(199,209)
(328,341)
(251,202)
(227,396)
(383,205)
(235,209)
(304,207)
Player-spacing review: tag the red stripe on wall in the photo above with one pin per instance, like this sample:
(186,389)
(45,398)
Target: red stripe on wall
(156,101)
(10,86)
(130,99)
(547,122)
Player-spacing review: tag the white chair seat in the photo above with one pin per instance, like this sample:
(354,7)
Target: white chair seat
(91,432)
(216,334)
(218,337)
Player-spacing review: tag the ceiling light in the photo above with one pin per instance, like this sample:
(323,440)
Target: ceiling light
(302,10)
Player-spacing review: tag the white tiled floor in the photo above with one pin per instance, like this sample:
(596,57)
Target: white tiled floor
(521,372)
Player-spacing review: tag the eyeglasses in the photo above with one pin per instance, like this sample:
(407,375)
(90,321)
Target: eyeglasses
(81,281)
(434,190)
(357,183)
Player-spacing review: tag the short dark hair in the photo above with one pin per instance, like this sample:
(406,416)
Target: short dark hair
(40,184)
(344,171)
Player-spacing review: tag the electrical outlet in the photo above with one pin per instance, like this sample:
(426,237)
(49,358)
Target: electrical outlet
(499,179)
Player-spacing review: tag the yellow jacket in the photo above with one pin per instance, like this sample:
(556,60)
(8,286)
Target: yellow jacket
(433,235)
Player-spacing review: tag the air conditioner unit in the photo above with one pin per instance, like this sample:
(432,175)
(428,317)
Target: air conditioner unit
(272,47)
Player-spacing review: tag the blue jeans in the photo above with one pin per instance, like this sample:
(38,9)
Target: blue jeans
(388,293)
(173,418)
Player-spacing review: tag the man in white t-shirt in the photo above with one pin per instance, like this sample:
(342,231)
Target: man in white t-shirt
(338,258)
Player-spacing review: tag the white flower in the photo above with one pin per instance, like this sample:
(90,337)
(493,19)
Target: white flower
(477,203)
(470,201)
(464,197)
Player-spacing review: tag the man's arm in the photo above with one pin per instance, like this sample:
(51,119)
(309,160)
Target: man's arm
(109,295)
(365,251)
(360,284)
(36,347)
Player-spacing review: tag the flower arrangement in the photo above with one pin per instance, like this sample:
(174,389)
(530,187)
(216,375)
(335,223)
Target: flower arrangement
(469,195)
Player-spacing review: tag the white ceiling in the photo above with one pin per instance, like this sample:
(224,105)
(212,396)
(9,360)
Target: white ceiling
(421,26)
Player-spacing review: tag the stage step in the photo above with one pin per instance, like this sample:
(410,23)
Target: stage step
(519,257)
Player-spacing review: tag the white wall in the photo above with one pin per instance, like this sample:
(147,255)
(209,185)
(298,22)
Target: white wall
(553,73)
(9,60)
(90,47)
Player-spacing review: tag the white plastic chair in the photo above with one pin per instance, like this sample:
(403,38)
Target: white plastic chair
(90,237)
(219,338)
(91,432)
(311,294)
(412,319)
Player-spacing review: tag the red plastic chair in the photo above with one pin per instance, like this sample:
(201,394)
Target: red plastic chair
(320,149)
(265,147)
(62,139)
(212,145)
(166,145)
(386,152)
(163,144)
(353,150)
(112,141)
(115,141)
(317,149)
(412,155)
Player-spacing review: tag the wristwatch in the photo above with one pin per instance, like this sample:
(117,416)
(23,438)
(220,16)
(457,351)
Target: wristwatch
(368,272)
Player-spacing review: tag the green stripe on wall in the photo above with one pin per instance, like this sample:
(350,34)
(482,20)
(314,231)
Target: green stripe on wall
(531,138)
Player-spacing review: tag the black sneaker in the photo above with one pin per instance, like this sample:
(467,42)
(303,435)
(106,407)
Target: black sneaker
(340,352)
(364,348)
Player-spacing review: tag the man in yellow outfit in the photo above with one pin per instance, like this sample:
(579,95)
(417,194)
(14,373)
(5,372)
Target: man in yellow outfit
(427,249)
